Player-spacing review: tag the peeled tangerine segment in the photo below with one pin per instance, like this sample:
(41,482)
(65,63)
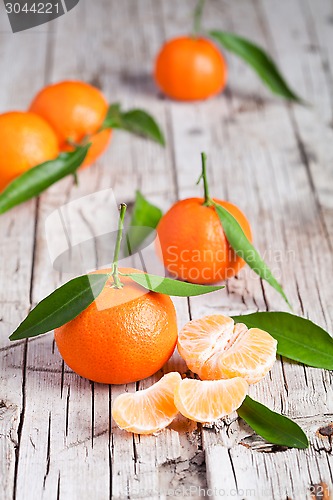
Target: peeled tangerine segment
(208,400)
(149,410)
(215,347)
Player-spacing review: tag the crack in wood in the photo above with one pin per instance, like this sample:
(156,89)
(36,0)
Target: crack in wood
(255,443)
(92,385)
(21,418)
(48,452)
(67,411)
(58,487)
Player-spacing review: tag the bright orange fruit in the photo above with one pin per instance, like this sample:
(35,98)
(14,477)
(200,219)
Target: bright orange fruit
(150,410)
(75,110)
(189,68)
(192,243)
(125,335)
(26,141)
(208,400)
(215,347)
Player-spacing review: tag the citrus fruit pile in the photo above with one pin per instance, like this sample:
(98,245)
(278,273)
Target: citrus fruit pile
(226,356)
(119,325)
(61,115)
(127,333)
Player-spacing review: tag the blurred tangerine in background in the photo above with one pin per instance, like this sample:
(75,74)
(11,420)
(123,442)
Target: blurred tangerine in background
(76,111)
(26,141)
(190,68)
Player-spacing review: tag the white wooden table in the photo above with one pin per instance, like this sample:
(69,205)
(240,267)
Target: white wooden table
(57,438)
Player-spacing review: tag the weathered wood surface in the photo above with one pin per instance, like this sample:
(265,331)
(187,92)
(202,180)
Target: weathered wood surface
(57,438)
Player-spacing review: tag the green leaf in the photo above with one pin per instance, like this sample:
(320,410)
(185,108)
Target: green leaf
(34,181)
(136,121)
(275,428)
(259,60)
(242,246)
(145,218)
(172,287)
(63,305)
(298,338)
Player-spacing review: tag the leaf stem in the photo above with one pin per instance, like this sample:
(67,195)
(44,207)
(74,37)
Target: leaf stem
(115,272)
(208,201)
(198,17)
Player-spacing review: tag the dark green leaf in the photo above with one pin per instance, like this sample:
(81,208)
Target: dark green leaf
(37,179)
(169,286)
(145,218)
(298,338)
(242,246)
(136,121)
(275,428)
(259,60)
(63,305)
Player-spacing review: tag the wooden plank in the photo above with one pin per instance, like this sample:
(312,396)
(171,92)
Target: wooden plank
(253,148)
(17,233)
(74,425)
(272,160)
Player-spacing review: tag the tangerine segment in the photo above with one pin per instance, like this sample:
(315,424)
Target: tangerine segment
(208,400)
(198,339)
(215,348)
(150,410)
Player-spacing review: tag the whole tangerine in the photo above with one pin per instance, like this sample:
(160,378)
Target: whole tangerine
(125,335)
(26,141)
(192,243)
(190,69)
(76,111)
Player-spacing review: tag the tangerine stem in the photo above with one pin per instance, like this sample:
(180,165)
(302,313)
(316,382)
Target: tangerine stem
(197,17)
(208,201)
(115,273)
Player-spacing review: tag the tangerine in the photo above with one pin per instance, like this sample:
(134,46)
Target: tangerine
(190,68)
(26,141)
(125,335)
(76,111)
(192,244)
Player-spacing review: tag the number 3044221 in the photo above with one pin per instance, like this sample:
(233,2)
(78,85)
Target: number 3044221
(34,8)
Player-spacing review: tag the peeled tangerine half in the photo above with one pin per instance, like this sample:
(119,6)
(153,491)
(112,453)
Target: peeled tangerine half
(208,400)
(215,347)
(149,410)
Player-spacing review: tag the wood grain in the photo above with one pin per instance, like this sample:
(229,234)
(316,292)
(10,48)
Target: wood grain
(274,160)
